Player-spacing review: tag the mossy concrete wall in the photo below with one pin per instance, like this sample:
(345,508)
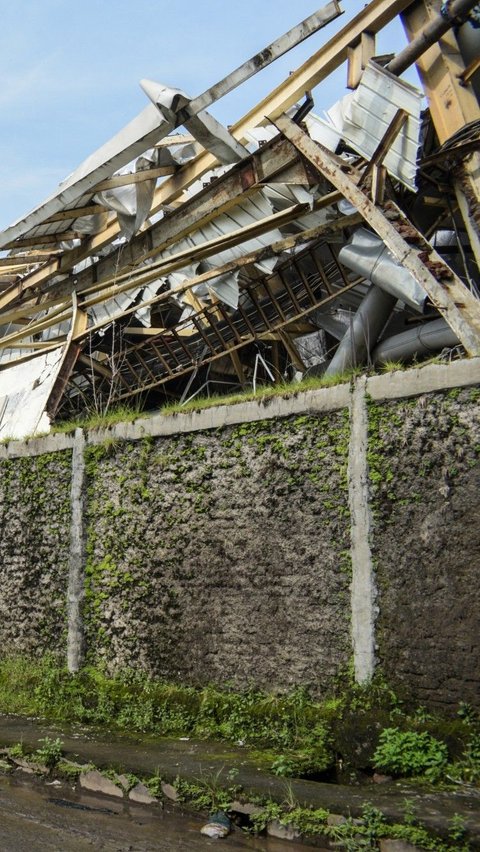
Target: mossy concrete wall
(425,486)
(34,552)
(222,546)
(223,556)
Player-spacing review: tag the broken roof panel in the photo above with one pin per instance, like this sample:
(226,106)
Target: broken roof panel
(218,261)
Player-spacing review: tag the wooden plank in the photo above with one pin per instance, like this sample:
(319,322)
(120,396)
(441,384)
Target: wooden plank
(446,291)
(43,239)
(470,71)
(175,139)
(386,141)
(134,177)
(74,213)
(23,260)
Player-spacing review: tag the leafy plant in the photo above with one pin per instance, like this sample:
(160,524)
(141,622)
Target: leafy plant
(467,769)
(16,750)
(50,752)
(457,830)
(410,753)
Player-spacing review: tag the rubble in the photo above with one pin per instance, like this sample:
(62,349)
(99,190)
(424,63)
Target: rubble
(184,256)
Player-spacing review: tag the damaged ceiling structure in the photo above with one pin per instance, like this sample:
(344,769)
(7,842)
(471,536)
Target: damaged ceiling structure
(185,256)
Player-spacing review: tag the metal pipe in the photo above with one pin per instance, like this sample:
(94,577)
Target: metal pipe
(421,340)
(367,255)
(366,326)
(457,11)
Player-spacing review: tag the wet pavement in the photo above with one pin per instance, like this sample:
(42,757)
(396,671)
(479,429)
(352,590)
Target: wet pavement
(204,761)
(38,817)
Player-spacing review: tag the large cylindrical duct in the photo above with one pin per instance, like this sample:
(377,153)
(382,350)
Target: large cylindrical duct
(366,326)
(421,340)
(367,255)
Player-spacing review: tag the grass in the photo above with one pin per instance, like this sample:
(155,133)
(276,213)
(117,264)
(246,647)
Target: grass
(292,734)
(128,414)
(119,414)
(266,392)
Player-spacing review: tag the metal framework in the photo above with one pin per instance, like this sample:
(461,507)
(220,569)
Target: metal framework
(169,253)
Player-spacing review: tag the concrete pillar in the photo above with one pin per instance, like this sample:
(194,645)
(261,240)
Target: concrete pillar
(76,576)
(363,591)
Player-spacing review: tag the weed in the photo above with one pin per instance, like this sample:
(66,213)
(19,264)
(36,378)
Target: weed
(17,750)
(50,752)
(410,753)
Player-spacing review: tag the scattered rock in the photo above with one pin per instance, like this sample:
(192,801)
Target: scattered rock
(97,783)
(55,783)
(29,767)
(169,792)
(283,832)
(247,808)
(26,768)
(397,846)
(124,781)
(214,830)
(141,794)
(336,819)
(378,778)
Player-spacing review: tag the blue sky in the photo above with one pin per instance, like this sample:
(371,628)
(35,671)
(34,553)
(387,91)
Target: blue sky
(69,73)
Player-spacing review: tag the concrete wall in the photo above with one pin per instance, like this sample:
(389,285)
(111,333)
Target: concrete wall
(263,544)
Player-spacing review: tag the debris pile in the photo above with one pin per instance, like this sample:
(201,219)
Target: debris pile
(185,257)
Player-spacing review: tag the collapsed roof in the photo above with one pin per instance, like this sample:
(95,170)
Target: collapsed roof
(183,255)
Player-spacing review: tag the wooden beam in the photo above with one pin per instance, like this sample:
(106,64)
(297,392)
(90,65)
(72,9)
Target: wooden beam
(74,213)
(238,367)
(134,177)
(466,76)
(44,239)
(23,260)
(175,139)
(379,178)
(386,141)
(446,291)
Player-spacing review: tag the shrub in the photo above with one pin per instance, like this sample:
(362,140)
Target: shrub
(410,753)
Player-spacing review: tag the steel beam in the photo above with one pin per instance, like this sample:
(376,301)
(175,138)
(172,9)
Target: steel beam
(330,56)
(452,106)
(446,291)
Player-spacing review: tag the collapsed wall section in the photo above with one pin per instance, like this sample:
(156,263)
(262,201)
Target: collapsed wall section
(34,552)
(423,458)
(223,556)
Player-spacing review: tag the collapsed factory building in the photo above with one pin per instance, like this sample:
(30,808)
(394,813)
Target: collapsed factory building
(185,257)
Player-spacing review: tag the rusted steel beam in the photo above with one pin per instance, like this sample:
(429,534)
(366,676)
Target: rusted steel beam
(445,290)
(452,106)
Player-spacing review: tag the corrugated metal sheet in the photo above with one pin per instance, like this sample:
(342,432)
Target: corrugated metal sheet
(363,117)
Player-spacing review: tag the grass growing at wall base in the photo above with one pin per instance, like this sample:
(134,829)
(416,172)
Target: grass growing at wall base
(297,735)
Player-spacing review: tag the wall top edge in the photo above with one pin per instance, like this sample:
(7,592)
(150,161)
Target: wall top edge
(396,385)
